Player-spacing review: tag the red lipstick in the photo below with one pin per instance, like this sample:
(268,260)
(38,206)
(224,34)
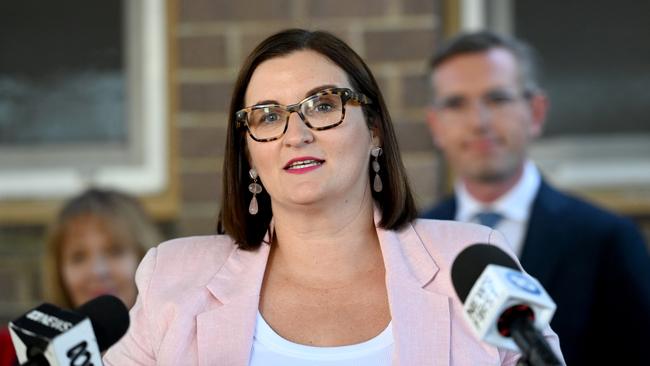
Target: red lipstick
(303,164)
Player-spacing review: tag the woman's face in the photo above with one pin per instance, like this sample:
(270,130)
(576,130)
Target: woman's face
(93,263)
(335,161)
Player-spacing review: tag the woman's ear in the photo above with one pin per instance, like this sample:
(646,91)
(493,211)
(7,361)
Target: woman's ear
(374,135)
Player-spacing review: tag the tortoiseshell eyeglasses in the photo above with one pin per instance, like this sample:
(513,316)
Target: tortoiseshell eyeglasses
(321,111)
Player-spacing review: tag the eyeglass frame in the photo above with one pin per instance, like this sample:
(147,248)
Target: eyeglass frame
(346,95)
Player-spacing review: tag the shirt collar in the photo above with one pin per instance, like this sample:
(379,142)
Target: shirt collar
(514,205)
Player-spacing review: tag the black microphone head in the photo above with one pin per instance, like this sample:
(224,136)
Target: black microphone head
(109,317)
(471,262)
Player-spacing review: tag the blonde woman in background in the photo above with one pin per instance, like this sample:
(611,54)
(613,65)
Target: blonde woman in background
(94,247)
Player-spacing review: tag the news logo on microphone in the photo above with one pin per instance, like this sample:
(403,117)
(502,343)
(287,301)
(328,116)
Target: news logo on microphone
(48,335)
(498,289)
(62,337)
(504,306)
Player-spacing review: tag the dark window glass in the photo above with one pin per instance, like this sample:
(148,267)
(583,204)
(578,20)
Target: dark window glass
(596,62)
(62,77)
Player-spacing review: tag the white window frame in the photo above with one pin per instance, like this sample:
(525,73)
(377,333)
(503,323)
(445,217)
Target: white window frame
(146,60)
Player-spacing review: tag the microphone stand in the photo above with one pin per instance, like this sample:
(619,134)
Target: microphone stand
(532,344)
(37,360)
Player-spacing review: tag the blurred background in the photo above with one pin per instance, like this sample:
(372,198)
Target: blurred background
(134,95)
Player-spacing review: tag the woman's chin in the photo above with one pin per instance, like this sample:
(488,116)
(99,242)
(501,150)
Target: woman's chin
(305,196)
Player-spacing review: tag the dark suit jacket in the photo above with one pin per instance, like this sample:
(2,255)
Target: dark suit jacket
(596,267)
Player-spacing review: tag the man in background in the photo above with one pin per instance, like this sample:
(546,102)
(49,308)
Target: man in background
(487,109)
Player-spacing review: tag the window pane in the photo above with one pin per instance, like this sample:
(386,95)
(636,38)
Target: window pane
(62,72)
(596,63)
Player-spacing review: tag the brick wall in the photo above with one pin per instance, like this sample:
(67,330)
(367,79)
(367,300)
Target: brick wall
(395,37)
(212,37)
(19,270)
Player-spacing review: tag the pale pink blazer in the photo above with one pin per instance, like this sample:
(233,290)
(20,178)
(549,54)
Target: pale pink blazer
(199,296)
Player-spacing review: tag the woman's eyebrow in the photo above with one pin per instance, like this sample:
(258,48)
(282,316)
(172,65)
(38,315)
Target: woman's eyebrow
(309,93)
(268,101)
(318,89)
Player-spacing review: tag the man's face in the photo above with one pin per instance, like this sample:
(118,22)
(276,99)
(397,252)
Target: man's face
(481,118)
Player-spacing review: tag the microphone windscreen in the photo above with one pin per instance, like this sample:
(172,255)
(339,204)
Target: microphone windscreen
(109,317)
(471,262)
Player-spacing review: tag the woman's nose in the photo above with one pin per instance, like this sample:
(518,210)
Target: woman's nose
(100,266)
(298,133)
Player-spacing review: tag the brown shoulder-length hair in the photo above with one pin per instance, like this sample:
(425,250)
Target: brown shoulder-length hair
(120,214)
(395,200)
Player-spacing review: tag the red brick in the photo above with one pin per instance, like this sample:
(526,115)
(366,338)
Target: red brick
(420,7)
(212,97)
(202,142)
(416,90)
(202,225)
(228,10)
(346,8)
(201,187)
(9,283)
(399,45)
(413,136)
(19,278)
(209,51)
(383,83)
(251,40)
(425,177)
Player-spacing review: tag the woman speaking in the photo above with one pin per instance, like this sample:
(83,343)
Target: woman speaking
(320,260)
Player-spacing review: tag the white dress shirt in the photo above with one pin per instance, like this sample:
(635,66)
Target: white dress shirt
(515,206)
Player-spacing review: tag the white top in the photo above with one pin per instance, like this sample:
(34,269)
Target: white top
(515,206)
(270,349)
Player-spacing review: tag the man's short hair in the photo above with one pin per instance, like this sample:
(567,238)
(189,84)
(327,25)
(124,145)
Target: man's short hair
(483,41)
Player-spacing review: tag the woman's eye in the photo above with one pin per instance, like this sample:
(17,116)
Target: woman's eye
(269,118)
(324,107)
(117,250)
(77,257)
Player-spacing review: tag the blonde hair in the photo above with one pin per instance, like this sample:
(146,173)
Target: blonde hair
(123,217)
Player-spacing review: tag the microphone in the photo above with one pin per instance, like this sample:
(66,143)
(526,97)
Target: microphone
(503,306)
(48,335)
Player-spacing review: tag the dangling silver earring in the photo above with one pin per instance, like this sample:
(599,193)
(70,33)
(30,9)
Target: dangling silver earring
(254,188)
(377,186)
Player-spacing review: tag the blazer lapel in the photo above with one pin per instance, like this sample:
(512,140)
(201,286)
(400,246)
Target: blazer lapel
(543,244)
(421,326)
(225,331)
(420,317)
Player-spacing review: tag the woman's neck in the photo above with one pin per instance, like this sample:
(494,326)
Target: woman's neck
(324,246)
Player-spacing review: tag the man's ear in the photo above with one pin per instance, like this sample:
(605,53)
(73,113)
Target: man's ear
(539,105)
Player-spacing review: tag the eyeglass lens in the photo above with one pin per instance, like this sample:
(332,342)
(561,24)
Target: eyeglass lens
(318,111)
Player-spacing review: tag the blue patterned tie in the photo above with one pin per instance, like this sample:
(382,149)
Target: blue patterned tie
(489,218)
